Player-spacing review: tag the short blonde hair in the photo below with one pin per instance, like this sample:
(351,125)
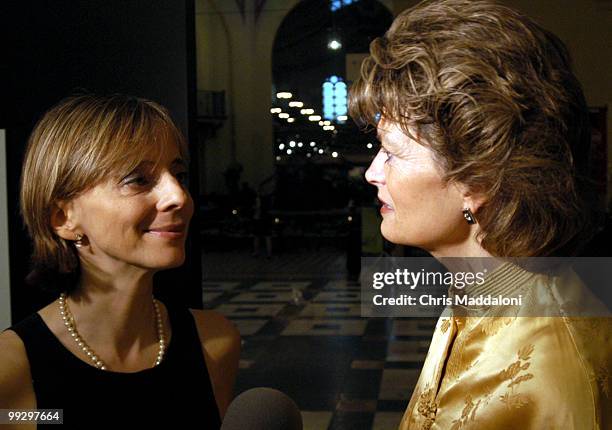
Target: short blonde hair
(79,143)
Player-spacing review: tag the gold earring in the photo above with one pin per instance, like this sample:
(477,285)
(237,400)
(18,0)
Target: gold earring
(79,238)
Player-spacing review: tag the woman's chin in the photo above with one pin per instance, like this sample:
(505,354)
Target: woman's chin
(171,263)
(397,237)
(390,233)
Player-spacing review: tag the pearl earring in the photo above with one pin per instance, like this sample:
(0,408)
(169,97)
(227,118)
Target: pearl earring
(79,240)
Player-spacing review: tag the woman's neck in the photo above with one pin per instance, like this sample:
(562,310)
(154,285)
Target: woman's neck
(115,314)
(468,247)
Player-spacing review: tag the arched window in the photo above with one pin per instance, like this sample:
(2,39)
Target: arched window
(338,4)
(334,98)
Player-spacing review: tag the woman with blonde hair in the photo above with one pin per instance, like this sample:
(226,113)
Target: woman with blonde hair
(484,143)
(105,200)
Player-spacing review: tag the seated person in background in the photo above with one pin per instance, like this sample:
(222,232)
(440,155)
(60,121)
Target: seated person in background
(484,134)
(105,200)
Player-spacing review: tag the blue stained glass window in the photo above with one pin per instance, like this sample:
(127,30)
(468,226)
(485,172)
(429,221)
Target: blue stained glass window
(334,97)
(340,89)
(339,4)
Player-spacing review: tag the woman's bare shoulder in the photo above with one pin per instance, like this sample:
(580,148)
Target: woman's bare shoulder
(15,378)
(221,346)
(216,331)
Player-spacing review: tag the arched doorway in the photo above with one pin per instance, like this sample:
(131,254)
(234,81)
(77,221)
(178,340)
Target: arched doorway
(301,57)
(317,146)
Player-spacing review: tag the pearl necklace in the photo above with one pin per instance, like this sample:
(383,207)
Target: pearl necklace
(71,326)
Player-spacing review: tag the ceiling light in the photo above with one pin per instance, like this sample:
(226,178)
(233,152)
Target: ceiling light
(334,44)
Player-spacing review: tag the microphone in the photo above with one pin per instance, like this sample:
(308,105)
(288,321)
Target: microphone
(262,409)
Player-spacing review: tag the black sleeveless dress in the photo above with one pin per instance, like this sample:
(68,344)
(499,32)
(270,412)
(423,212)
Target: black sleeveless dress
(177,392)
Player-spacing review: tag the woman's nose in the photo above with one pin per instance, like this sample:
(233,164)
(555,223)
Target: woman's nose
(173,194)
(375,174)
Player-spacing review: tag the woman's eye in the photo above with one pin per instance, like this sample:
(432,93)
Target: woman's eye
(136,180)
(141,180)
(387,154)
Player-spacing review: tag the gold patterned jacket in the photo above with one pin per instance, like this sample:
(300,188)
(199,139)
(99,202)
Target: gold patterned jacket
(514,371)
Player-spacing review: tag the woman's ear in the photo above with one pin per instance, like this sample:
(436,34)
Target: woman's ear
(472,200)
(61,220)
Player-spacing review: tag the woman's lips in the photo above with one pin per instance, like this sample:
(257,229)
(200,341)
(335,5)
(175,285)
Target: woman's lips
(385,207)
(168,231)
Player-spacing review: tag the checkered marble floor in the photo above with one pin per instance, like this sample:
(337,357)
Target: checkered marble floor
(305,337)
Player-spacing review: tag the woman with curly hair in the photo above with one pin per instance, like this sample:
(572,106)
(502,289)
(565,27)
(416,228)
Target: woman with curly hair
(484,145)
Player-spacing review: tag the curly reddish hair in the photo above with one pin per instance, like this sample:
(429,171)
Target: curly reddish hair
(493,95)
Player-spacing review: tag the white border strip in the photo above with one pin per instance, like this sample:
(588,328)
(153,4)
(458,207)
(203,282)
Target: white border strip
(5,284)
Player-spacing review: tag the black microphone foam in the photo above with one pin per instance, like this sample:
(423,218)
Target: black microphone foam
(262,409)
